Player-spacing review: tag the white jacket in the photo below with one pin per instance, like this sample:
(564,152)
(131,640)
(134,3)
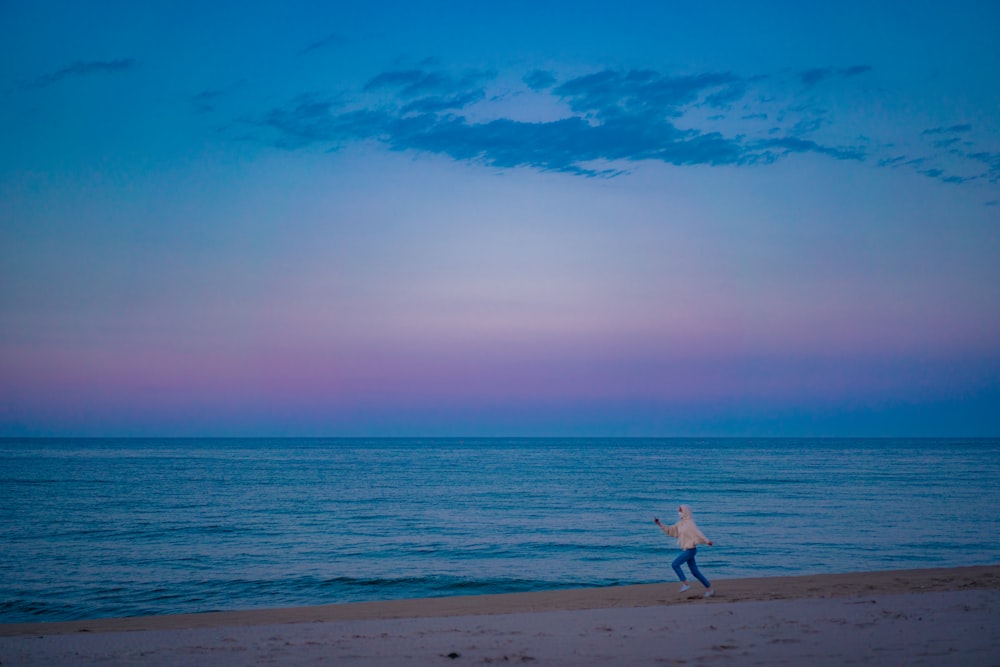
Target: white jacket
(686,530)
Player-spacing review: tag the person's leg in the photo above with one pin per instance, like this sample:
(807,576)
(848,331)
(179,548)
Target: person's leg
(680,560)
(696,572)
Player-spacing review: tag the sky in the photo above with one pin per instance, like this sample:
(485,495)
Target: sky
(499,219)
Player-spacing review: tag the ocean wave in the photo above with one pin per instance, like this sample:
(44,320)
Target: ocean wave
(207,525)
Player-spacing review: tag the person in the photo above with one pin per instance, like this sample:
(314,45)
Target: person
(689,537)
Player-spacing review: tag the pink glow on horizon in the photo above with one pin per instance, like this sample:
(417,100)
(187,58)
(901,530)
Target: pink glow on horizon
(454,374)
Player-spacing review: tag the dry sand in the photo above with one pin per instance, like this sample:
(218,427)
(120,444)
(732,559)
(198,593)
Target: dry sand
(905,617)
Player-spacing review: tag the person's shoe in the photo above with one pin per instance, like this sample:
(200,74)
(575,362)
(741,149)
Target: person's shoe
(685,587)
(710,592)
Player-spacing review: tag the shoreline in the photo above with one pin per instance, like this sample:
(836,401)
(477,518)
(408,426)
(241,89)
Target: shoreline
(932,617)
(799,587)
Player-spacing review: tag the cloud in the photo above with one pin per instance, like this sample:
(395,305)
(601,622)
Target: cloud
(726,97)
(558,146)
(598,123)
(309,121)
(434,104)
(564,145)
(952,129)
(891,161)
(855,70)
(808,126)
(797,145)
(811,77)
(615,116)
(992,162)
(204,102)
(412,83)
(78,69)
(397,78)
(330,40)
(610,93)
(944,177)
(945,143)
(429,91)
(539,80)
(953,141)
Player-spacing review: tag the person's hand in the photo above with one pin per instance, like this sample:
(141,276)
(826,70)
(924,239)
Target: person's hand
(656,521)
(711,543)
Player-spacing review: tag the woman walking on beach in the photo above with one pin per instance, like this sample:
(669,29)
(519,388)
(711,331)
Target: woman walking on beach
(689,537)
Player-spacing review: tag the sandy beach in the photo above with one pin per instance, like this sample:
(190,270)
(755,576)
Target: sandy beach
(903,617)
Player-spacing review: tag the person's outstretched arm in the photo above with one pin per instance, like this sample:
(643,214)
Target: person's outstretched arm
(705,540)
(669,530)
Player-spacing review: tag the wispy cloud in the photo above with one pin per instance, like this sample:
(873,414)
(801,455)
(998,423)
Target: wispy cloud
(807,126)
(565,145)
(78,69)
(437,103)
(610,94)
(309,121)
(204,102)
(613,117)
(412,83)
(811,77)
(855,70)
(892,161)
(331,40)
(951,129)
(956,159)
(539,80)
(992,162)
(797,145)
(945,177)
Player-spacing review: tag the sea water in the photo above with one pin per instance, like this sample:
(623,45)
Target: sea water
(101,527)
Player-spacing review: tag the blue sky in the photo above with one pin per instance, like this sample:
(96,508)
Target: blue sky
(466,219)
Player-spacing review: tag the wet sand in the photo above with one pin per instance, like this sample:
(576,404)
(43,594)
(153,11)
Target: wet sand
(911,617)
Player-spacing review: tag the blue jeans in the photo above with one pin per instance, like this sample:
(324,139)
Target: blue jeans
(687,556)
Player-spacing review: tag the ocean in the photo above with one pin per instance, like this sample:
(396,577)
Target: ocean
(106,527)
